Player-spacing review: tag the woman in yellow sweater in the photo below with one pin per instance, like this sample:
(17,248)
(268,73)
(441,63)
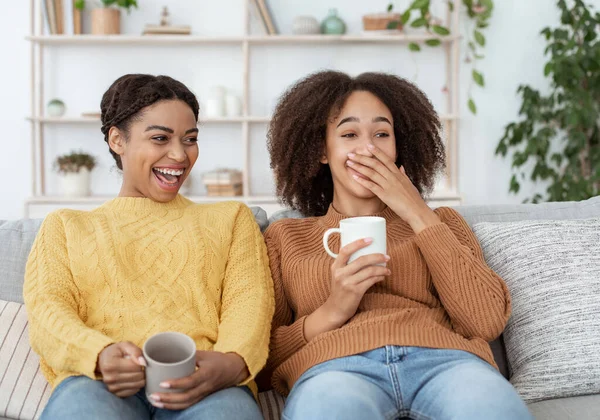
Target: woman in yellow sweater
(99,283)
(385,336)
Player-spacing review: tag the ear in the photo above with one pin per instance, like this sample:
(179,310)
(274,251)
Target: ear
(323,159)
(116,141)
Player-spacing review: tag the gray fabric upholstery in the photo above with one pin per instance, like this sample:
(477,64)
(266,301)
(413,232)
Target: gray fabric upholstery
(574,408)
(551,269)
(16,238)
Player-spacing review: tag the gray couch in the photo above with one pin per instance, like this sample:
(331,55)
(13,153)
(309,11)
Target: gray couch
(16,238)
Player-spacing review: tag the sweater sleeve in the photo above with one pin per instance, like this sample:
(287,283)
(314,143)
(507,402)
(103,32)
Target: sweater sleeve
(56,331)
(247,297)
(475,297)
(287,335)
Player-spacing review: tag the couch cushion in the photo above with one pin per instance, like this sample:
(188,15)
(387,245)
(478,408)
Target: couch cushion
(23,389)
(551,269)
(16,239)
(574,408)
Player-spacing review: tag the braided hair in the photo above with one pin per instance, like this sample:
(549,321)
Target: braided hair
(129,94)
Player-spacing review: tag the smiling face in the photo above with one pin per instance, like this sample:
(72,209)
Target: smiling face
(158,151)
(362,120)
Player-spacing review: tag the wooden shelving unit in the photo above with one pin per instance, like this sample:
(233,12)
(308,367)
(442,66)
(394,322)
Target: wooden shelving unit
(446,194)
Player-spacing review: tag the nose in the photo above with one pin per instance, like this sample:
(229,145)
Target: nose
(177,152)
(362,147)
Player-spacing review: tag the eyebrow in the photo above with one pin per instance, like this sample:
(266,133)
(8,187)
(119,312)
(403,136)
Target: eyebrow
(169,130)
(354,119)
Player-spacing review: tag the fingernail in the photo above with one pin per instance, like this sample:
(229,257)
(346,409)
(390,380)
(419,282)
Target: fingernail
(389,272)
(158,405)
(155,397)
(142,361)
(387,257)
(368,240)
(351,155)
(349,163)
(355,176)
(165,385)
(371,146)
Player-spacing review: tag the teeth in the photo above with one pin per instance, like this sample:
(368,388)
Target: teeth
(174,172)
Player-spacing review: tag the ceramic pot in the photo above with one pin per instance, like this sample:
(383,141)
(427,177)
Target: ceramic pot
(306,25)
(106,21)
(75,184)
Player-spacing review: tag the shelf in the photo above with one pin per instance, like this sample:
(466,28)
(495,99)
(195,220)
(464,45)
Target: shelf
(232,40)
(250,119)
(251,200)
(99,199)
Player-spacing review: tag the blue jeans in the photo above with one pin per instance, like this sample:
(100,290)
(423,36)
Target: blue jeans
(395,382)
(80,397)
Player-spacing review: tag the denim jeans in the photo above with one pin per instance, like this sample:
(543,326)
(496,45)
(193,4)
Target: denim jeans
(399,382)
(80,397)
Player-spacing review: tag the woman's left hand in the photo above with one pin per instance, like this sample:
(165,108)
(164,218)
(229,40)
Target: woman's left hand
(393,187)
(215,371)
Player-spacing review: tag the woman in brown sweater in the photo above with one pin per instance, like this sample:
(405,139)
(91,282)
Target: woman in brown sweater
(386,336)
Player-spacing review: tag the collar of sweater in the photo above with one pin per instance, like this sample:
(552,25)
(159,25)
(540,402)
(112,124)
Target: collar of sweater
(333,217)
(145,205)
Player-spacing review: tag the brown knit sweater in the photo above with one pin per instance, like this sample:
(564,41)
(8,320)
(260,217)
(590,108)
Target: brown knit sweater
(441,294)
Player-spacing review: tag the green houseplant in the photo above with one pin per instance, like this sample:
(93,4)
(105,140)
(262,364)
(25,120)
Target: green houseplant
(419,15)
(557,139)
(74,173)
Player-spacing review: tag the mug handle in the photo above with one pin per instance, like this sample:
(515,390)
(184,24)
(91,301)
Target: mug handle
(326,240)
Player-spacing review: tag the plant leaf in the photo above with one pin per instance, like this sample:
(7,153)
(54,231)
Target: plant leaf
(478,78)
(406,16)
(433,42)
(390,7)
(451,6)
(479,38)
(417,23)
(419,4)
(548,68)
(79,4)
(472,106)
(414,47)
(441,30)
(393,24)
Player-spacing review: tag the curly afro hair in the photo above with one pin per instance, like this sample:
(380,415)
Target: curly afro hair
(296,136)
(129,94)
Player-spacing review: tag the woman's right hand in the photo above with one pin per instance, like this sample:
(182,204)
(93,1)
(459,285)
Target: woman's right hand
(349,283)
(121,366)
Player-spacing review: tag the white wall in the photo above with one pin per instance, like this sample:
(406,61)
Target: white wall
(514,55)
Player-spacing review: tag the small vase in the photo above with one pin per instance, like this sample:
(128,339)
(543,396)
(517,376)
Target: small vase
(106,21)
(333,25)
(75,184)
(56,108)
(306,25)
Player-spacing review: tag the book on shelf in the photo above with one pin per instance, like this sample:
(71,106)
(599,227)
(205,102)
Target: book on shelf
(266,16)
(224,190)
(167,30)
(62,17)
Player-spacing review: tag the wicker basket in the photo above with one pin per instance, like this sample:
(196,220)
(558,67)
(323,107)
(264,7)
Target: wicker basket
(380,21)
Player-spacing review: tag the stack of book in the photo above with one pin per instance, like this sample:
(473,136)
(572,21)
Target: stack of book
(223,183)
(62,17)
(167,30)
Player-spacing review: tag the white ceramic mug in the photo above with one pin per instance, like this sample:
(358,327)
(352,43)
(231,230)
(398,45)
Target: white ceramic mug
(356,228)
(169,355)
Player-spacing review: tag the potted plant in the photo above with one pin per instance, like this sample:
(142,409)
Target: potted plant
(106,20)
(388,21)
(74,172)
(556,139)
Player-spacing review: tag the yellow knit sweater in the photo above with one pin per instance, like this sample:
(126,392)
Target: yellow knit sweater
(135,267)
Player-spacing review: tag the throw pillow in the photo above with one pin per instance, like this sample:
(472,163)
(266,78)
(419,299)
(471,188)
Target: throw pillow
(23,389)
(553,335)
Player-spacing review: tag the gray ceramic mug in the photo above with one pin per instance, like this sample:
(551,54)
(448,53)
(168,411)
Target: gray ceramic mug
(169,355)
